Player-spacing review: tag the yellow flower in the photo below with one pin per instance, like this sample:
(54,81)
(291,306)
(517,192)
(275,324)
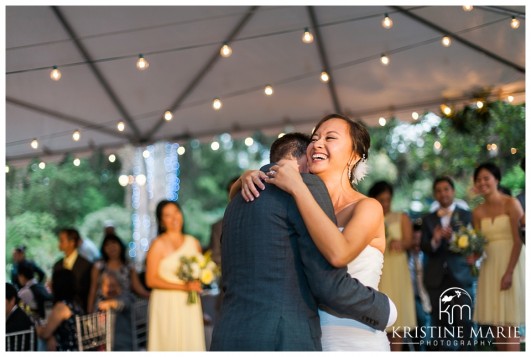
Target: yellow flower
(462,242)
(207,276)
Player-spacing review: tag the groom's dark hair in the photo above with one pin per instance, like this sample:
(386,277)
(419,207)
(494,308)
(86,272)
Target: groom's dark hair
(291,144)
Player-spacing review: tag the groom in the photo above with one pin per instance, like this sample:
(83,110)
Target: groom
(274,277)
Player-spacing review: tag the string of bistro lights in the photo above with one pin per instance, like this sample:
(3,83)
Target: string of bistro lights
(225,51)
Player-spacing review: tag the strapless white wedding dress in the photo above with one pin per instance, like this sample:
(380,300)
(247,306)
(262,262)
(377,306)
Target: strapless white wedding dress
(342,334)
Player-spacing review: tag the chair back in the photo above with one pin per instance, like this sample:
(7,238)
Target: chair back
(94,331)
(21,340)
(139,320)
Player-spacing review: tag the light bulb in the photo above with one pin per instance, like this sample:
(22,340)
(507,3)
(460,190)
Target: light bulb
(324,77)
(34,144)
(168,115)
(123,180)
(514,151)
(415,115)
(77,162)
(214,146)
(181,150)
(268,90)
(446,41)
(446,109)
(479,104)
(382,121)
(216,104)
(387,23)
(42,165)
(112,158)
(142,63)
(384,59)
(437,146)
(307,37)
(141,179)
(76,135)
(226,50)
(510,99)
(468,8)
(7,169)
(515,23)
(55,74)
(249,141)
(145,154)
(281,135)
(120,126)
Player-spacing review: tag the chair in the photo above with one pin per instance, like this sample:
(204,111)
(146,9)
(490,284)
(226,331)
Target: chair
(21,340)
(94,331)
(139,319)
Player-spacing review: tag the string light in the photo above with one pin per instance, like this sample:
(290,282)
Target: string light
(281,135)
(214,146)
(120,126)
(324,77)
(7,169)
(415,115)
(225,50)
(387,23)
(514,151)
(382,121)
(142,64)
(123,180)
(515,23)
(446,41)
(217,104)
(384,59)
(468,8)
(446,109)
(510,99)
(55,74)
(141,179)
(479,104)
(249,141)
(42,165)
(77,162)
(76,135)
(34,144)
(181,150)
(168,115)
(112,158)
(145,154)
(268,90)
(307,37)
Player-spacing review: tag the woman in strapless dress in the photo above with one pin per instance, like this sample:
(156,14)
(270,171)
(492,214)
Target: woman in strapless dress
(337,153)
(500,298)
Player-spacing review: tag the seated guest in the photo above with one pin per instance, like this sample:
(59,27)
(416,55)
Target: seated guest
(32,293)
(60,328)
(115,299)
(19,256)
(16,319)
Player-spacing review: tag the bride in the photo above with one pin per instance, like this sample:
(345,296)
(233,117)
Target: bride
(337,154)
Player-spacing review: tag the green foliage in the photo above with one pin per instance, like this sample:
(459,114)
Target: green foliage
(94,223)
(35,230)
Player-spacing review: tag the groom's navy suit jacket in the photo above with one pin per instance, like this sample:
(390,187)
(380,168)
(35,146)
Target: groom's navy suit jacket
(443,261)
(274,278)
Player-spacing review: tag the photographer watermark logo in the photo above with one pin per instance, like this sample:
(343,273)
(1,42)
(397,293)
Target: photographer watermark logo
(455,304)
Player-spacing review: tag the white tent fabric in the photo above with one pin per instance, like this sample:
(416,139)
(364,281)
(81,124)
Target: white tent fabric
(96,48)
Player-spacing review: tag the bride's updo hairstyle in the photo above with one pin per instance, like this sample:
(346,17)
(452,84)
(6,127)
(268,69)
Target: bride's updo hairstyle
(361,142)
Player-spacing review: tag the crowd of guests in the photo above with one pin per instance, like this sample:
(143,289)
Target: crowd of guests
(418,269)
(81,283)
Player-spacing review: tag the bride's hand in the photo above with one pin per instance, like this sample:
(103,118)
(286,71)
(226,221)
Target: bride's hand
(285,175)
(250,181)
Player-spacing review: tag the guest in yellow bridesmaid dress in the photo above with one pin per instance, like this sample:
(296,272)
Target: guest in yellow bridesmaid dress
(500,298)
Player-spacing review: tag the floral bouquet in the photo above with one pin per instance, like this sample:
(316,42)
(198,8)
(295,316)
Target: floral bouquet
(470,243)
(197,267)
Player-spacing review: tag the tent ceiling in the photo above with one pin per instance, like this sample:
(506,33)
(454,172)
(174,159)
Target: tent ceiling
(96,49)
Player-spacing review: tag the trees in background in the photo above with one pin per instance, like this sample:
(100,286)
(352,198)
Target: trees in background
(409,155)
